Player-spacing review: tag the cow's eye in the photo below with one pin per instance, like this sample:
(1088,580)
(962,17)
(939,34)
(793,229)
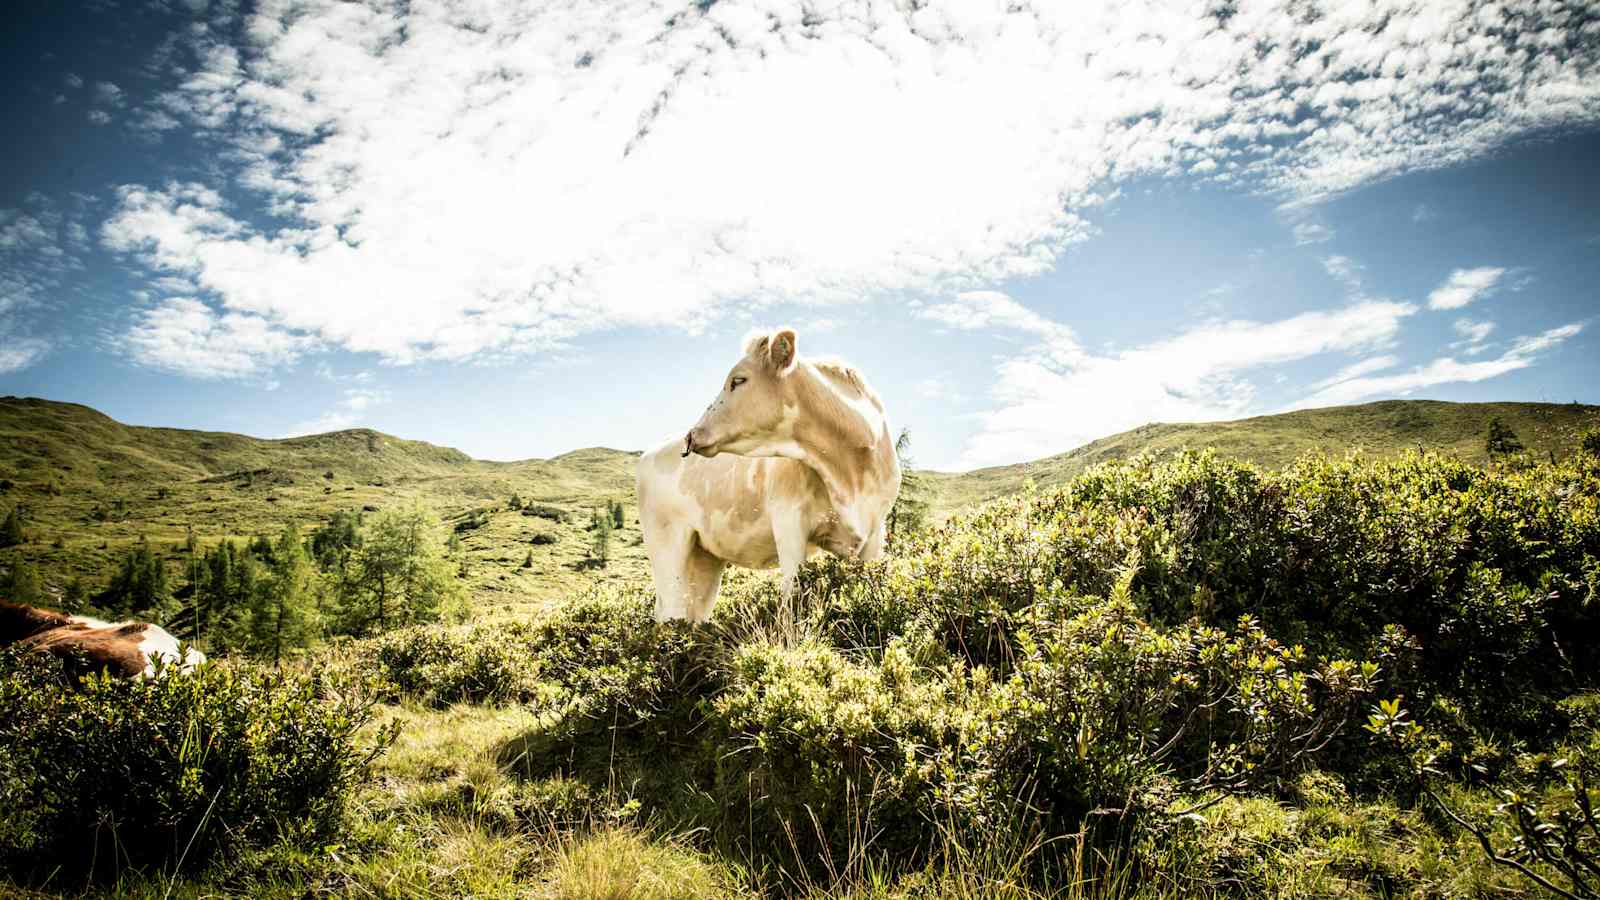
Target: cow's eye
(734,384)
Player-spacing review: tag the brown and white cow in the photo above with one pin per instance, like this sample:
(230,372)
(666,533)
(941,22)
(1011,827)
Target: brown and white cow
(84,645)
(793,455)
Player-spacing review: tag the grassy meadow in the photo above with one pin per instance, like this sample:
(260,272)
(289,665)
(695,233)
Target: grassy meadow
(1133,670)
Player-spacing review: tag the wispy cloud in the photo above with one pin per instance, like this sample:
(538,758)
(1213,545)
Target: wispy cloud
(18,353)
(1473,334)
(39,246)
(1523,352)
(1311,233)
(184,336)
(1346,271)
(1357,369)
(593,167)
(351,410)
(1464,286)
(1056,395)
(939,389)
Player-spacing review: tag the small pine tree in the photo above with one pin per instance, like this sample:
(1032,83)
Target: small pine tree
(516,501)
(1502,441)
(281,614)
(527,562)
(75,596)
(11,530)
(401,575)
(601,548)
(1590,442)
(140,584)
(618,514)
(910,511)
(21,584)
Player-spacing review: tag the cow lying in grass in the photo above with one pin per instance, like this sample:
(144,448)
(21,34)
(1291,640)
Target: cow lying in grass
(793,455)
(85,645)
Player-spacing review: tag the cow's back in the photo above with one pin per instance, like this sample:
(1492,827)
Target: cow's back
(85,649)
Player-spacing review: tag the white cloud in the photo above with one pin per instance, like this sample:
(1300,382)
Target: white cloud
(184,336)
(1049,401)
(73,81)
(1346,271)
(1473,334)
(349,412)
(99,117)
(18,353)
(22,231)
(1523,353)
(1464,286)
(1357,369)
(505,176)
(38,247)
(984,310)
(108,94)
(1423,213)
(1311,233)
(936,388)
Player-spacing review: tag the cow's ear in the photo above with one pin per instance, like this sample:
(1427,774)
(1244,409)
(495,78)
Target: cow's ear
(780,351)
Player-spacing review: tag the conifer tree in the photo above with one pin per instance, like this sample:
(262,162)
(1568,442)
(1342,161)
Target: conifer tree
(402,574)
(1502,441)
(601,525)
(281,616)
(20,584)
(910,509)
(140,584)
(11,529)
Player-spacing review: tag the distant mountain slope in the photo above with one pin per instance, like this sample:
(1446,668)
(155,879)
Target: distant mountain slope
(92,486)
(1379,429)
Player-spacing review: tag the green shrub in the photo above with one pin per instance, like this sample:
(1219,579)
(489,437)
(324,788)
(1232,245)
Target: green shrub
(438,667)
(1100,660)
(152,772)
(545,511)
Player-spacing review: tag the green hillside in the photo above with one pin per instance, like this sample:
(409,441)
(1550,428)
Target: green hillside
(1376,429)
(91,486)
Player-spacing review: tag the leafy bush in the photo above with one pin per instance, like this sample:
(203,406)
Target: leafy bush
(170,770)
(437,667)
(545,511)
(1103,659)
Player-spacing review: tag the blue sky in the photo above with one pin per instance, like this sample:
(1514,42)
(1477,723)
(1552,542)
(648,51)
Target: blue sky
(522,228)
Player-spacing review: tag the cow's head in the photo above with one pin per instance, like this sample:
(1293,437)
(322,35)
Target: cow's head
(748,416)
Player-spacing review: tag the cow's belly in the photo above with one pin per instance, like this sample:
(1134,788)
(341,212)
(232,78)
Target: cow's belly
(748,544)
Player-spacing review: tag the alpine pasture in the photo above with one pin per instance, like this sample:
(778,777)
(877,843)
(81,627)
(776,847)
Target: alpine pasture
(1143,669)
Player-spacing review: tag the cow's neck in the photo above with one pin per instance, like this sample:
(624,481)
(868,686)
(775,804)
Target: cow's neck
(841,435)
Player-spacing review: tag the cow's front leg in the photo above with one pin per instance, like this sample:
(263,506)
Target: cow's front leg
(789,533)
(872,550)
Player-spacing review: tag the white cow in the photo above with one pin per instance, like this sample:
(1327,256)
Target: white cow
(793,455)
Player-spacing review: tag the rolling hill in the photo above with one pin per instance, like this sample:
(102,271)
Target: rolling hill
(1384,428)
(90,486)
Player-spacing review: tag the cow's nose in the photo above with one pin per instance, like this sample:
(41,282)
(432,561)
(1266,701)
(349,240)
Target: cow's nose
(688,443)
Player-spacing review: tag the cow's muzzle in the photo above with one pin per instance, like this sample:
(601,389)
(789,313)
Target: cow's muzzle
(697,442)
